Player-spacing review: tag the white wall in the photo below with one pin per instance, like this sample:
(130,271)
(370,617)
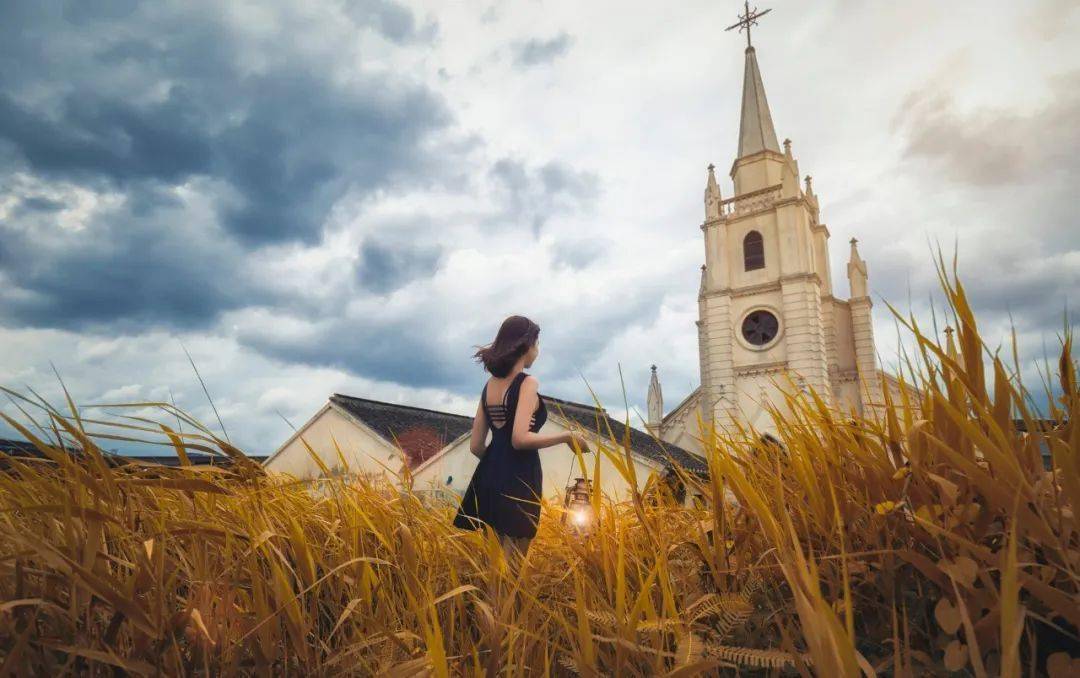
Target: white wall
(364,451)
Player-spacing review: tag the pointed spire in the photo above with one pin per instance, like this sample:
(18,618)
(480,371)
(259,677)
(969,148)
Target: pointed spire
(712,196)
(655,400)
(856,272)
(811,199)
(701,289)
(756,131)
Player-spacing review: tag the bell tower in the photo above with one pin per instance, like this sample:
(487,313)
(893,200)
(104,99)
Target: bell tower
(768,322)
(762,327)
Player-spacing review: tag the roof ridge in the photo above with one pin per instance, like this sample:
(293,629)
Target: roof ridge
(545,396)
(399,405)
(563,401)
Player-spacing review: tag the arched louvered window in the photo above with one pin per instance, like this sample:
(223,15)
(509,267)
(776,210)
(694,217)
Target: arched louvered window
(753,248)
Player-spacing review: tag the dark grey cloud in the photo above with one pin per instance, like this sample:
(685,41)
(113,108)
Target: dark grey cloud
(81,13)
(138,264)
(541,51)
(1031,286)
(405,351)
(94,140)
(576,343)
(394,21)
(384,267)
(535,194)
(416,350)
(40,204)
(490,15)
(119,96)
(576,254)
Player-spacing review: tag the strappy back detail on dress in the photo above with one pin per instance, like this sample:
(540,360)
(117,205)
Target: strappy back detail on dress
(500,413)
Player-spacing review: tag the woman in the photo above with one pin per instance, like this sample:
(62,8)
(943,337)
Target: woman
(506,487)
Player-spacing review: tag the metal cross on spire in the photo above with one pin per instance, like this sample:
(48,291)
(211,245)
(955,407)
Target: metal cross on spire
(747,20)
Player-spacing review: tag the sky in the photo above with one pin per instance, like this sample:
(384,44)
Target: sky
(349,196)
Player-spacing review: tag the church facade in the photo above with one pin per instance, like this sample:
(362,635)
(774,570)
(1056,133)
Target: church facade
(768,318)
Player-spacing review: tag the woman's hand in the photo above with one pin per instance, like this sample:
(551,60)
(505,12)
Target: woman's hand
(579,441)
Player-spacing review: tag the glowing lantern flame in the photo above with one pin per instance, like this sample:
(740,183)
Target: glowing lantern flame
(578,504)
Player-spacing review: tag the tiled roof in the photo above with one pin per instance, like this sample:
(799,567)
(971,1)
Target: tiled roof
(18,448)
(419,432)
(21,448)
(593,419)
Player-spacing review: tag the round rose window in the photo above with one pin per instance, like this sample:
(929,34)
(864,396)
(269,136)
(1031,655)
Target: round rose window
(760,327)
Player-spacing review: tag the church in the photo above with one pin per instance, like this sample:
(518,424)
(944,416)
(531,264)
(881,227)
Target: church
(768,319)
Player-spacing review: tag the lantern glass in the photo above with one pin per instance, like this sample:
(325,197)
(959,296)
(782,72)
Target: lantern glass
(578,505)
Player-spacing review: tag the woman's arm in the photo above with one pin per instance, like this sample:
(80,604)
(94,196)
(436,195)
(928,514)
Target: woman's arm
(478,441)
(524,439)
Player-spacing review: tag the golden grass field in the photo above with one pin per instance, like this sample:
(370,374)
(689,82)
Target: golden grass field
(932,541)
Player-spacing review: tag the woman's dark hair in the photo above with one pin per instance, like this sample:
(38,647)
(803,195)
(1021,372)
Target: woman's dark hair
(516,336)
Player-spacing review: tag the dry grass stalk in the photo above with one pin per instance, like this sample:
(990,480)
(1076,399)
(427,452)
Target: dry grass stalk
(932,537)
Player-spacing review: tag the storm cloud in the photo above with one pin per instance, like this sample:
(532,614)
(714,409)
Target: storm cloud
(116,98)
(990,148)
(540,51)
(535,194)
(384,268)
(1012,176)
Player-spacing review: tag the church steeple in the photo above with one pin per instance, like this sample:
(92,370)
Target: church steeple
(759,163)
(756,132)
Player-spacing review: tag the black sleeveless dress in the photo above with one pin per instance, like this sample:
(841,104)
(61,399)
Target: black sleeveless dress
(505,488)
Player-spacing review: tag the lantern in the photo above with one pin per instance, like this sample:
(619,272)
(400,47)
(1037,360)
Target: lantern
(578,505)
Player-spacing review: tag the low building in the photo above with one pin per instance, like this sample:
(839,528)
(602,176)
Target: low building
(367,437)
(23,450)
(430,449)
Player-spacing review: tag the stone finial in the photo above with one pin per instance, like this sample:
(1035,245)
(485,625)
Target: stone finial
(712,196)
(950,345)
(701,288)
(787,147)
(809,185)
(857,274)
(800,382)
